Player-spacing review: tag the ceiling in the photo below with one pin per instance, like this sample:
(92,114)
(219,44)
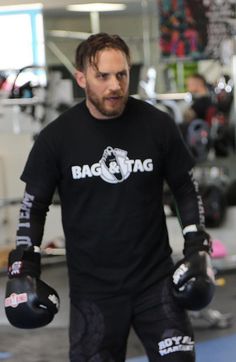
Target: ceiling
(61,4)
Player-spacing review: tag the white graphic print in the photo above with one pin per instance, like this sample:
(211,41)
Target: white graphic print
(176,344)
(114,166)
(180,271)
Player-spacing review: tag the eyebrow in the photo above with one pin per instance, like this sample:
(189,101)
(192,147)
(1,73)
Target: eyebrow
(106,73)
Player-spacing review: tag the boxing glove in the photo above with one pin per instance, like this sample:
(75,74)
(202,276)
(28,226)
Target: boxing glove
(196,239)
(193,281)
(29,302)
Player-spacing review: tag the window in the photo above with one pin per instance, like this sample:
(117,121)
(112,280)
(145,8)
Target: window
(21,37)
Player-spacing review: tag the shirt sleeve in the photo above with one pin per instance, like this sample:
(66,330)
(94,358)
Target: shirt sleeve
(41,175)
(188,200)
(179,175)
(32,216)
(41,171)
(178,159)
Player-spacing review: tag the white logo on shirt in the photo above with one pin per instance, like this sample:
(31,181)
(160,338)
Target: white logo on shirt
(114,166)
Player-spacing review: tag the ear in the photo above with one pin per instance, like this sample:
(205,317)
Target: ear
(80,79)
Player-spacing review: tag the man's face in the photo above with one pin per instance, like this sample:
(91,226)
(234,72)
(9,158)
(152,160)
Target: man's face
(192,85)
(196,87)
(106,84)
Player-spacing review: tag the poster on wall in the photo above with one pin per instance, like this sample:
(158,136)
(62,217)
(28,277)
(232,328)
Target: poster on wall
(194,29)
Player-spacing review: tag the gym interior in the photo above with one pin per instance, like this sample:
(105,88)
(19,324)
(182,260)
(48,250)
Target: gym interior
(169,41)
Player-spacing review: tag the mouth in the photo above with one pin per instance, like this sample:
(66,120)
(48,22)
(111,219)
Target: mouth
(114,99)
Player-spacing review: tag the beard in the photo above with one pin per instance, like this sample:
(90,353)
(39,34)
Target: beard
(100,103)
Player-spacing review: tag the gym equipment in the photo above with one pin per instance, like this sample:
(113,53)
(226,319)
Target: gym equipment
(193,281)
(215,204)
(211,318)
(29,302)
(195,239)
(213,182)
(218,249)
(198,139)
(220,139)
(208,317)
(213,186)
(231,193)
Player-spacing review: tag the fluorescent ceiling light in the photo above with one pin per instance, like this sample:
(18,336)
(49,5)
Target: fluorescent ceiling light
(96,7)
(21,7)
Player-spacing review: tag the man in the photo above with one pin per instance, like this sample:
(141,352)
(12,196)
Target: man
(198,117)
(203,106)
(108,157)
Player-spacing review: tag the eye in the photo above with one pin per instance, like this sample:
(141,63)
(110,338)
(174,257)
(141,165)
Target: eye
(121,75)
(102,76)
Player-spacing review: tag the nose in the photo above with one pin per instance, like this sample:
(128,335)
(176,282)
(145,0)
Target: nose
(114,83)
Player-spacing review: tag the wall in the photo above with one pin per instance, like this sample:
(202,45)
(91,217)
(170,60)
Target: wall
(129,26)
(14,149)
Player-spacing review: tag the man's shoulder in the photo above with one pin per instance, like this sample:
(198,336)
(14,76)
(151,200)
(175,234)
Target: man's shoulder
(69,116)
(144,106)
(73,112)
(158,123)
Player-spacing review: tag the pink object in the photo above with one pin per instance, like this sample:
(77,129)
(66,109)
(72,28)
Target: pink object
(218,249)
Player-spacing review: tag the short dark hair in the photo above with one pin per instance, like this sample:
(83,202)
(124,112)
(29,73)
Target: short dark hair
(87,49)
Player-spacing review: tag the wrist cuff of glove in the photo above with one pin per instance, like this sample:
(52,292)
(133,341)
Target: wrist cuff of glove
(24,261)
(196,239)
(189,250)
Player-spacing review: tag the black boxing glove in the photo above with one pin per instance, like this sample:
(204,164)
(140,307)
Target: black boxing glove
(29,302)
(196,239)
(193,281)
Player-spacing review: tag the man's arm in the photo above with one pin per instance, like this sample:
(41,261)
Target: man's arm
(29,302)
(190,212)
(193,277)
(32,217)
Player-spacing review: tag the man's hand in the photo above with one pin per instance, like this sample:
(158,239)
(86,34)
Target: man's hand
(29,302)
(193,281)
